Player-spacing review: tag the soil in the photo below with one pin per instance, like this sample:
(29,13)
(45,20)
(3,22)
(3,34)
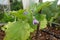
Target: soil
(2,34)
(54,34)
(41,36)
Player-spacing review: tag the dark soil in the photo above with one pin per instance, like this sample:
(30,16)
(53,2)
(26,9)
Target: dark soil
(51,34)
(2,34)
(42,35)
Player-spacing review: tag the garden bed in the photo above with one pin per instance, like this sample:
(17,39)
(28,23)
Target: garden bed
(43,35)
(50,33)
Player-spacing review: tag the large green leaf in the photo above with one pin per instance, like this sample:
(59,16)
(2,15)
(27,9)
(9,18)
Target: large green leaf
(19,30)
(51,10)
(41,6)
(40,17)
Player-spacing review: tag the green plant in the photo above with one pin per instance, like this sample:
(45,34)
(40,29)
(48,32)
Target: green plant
(7,18)
(15,5)
(20,29)
(52,12)
(1,12)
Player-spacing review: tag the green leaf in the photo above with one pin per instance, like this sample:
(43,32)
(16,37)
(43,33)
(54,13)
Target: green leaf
(19,14)
(42,19)
(30,17)
(19,30)
(51,10)
(41,6)
(43,22)
(54,4)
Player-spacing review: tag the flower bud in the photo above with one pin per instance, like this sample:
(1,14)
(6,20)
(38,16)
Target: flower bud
(25,13)
(35,21)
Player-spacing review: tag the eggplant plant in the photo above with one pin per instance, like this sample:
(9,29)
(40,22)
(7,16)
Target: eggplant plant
(27,21)
(52,12)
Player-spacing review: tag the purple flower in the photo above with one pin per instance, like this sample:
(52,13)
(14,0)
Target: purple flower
(35,21)
(25,13)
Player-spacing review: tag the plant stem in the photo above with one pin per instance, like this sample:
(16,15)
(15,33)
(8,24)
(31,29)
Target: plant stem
(37,31)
